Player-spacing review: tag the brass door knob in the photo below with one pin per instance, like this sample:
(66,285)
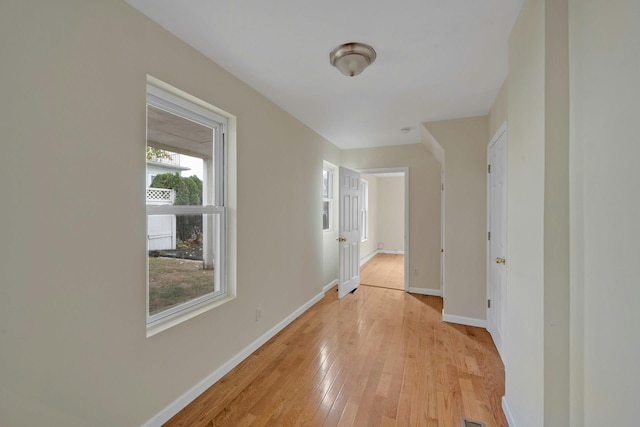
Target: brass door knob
(501,261)
(341,239)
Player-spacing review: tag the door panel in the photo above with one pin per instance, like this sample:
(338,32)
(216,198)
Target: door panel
(349,231)
(497,244)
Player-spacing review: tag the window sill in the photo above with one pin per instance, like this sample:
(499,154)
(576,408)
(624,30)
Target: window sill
(164,324)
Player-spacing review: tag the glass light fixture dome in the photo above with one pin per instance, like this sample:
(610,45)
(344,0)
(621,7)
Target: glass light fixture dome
(352,58)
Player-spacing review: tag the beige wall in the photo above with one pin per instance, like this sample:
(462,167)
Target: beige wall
(465,155)
(424,205)
(390,208)
(72,313)
(498,111)
(524,335)
(536,347)
(370,245)
(605,207)
(556,215)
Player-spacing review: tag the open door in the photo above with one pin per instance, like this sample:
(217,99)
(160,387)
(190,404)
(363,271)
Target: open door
(349,231)
(497,220)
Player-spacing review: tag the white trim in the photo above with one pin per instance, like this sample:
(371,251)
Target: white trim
(469,321)
(507,412)
(405,171)
(442,235)
(177,405)
(366,259)
(385,251)
(325,288)
(424,291)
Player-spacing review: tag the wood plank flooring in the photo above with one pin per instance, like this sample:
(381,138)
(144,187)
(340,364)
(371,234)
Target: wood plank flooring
(384,270)
(377,357)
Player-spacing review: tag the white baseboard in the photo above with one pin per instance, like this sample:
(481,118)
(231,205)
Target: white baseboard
(385,251)
(366,259)
(469,321)
(178,404)
(423,291)
(507,412)
(325,288)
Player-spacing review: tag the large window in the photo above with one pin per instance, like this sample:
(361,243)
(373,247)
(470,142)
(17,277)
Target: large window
(364,213)
(327,197)
(185,200)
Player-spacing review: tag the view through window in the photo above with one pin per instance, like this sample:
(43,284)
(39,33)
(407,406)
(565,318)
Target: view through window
(185,205)
(327,196)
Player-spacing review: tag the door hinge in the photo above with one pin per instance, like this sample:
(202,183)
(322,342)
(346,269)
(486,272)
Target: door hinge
(488,168)
(489,235)
(488,303)
(442,187)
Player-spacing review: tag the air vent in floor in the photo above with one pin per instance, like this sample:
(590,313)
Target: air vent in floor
(470,423)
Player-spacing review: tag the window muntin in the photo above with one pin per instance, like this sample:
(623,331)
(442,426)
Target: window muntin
(327,197)
(185,206)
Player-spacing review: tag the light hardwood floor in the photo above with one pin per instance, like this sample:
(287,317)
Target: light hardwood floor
(378,357)
(384,270)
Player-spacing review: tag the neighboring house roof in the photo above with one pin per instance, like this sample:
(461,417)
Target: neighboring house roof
(169,167)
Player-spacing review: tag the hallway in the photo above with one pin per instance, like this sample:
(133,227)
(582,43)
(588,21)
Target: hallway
(375,358)
(384,271)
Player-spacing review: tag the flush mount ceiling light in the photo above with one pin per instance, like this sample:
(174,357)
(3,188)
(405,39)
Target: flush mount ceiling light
(352,58)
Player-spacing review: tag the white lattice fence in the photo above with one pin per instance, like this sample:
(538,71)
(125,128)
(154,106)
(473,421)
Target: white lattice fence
(160,196)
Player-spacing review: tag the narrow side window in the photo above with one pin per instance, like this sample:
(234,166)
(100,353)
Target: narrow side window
(327,197)
(364,211)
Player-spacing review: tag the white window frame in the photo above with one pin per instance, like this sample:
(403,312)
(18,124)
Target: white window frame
(330,172)
(174,104)
(364,210)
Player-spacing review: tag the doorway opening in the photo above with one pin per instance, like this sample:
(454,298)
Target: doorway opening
(384,246)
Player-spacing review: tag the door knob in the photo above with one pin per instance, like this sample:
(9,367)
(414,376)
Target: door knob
(501,261)
(341,239)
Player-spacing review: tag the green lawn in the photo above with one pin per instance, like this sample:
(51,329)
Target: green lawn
(174,281)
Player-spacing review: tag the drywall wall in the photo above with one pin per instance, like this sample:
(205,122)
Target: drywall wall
(73,340)
(498,111)
(524,335)
(424,205)
(390,208)
(370,245)
(556,215)
(465,156)
(537,338)
(605,206)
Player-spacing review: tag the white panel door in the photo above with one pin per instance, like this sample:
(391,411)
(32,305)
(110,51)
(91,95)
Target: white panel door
(497,203)
(349,231)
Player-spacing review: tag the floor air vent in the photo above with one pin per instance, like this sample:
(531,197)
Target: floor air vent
(470,423)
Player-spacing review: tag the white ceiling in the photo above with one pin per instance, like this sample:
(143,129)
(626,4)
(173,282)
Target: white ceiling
(437,59)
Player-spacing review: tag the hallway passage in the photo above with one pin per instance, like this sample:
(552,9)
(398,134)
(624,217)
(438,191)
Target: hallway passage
(384,270)
(377,357)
